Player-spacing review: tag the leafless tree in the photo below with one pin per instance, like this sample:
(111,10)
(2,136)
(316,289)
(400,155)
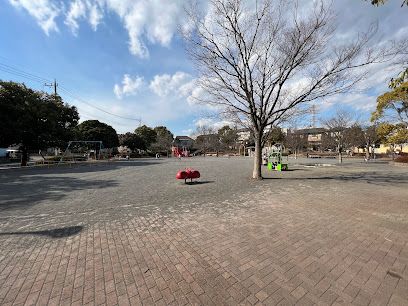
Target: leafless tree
(327,142)
(228,137)
(341,131)
(295,141)
(354,137)
(371,138)
(207,139)
(362,137)
(260,61)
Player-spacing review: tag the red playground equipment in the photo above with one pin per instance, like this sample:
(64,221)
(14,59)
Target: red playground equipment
(187,174)
(180,152)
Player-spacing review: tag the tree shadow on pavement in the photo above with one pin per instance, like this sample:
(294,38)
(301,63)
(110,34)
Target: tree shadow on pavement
(370,178)
(28,190)
(84,167)
(52,233)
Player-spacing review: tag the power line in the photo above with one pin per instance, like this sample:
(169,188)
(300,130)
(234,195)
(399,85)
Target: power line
(313,115)
(21,73)
(88,116)
(32,77)
(98,108)
(17,73)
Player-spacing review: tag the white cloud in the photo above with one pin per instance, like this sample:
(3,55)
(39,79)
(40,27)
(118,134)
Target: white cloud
(77,10)
(163,99)
(156,21)
(130,86)
(188,132)
(92,11)
(95,15)
(44,12)
(197,94)
(210,122)
(152,21)
(354,101)
(180,83)
(363,98)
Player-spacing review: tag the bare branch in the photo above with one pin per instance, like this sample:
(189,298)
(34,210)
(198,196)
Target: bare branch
(263,63)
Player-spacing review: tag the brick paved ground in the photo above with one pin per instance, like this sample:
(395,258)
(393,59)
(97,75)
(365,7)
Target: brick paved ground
(128,233)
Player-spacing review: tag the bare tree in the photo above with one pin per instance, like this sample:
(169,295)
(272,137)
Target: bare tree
(207,139)
(228,137)
(371,138)
(274,135)
(328,142)
(295,141)
(259,62)
(353,137)
(164,140)
(340,131)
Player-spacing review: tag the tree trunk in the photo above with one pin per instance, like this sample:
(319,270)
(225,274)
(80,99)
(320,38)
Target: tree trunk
(367,154)
(340,157)
(393,151)
(257,173)
(24,156)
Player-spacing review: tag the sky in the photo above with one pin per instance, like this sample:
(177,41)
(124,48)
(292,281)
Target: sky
(121,61)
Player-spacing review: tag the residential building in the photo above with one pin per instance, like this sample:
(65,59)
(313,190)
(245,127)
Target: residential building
(183,141)
(182,146)
(313,137)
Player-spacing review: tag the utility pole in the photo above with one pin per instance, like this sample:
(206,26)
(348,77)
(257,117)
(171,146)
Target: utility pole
(314,111)
(55,85)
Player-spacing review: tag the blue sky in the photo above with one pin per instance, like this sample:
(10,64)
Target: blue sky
(125,57)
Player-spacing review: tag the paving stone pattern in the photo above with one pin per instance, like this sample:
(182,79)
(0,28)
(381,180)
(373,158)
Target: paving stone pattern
(129,234)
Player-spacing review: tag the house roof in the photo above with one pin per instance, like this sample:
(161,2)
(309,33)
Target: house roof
(183,138)
(243,130)
(310,131)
